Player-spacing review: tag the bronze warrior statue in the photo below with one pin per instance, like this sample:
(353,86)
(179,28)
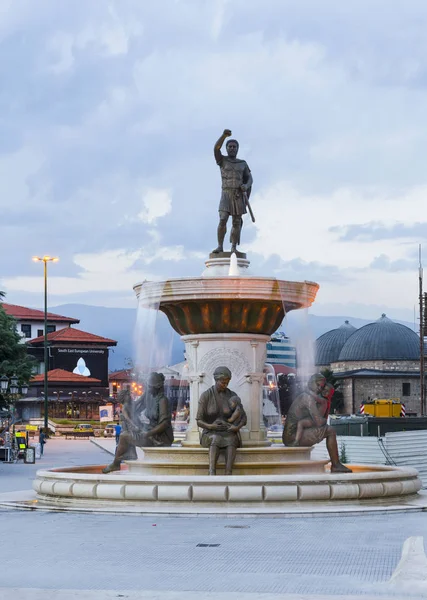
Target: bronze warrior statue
(146,422)
(236,189)
(221,415)
(306,421)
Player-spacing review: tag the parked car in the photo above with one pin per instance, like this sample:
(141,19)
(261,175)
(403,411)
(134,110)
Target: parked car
(109,430)
(85,428)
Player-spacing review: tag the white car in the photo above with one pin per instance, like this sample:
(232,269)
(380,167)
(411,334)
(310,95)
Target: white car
(110,430)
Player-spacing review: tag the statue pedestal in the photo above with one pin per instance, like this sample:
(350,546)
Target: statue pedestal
(244,354)
(218,265)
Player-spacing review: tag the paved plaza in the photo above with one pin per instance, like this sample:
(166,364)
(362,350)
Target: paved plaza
(82,555)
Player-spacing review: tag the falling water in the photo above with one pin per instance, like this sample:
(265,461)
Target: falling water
(150,349)
(304,342)
(234,268)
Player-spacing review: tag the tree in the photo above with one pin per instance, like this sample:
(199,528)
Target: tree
(337,403)
(14,359)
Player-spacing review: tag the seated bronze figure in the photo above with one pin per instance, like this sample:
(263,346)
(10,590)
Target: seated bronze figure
(306,422)
(146,422)
(221,415)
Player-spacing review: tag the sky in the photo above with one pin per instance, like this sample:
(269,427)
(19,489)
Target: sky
(109,111)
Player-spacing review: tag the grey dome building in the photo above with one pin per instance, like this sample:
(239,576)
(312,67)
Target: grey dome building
(379,360)
(382,340)
(330,344)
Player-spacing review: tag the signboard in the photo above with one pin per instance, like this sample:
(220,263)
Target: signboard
(106,413)
(89,362)
(31,427)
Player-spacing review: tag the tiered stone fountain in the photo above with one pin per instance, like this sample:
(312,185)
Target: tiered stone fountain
(223,320)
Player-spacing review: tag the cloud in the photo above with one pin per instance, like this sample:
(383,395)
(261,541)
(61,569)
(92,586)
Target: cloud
(110,111)
(373,231)
(114,271)
(383,263)
(157,203)
(301,270)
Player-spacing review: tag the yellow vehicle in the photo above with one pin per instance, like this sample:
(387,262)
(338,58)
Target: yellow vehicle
(84,428)
(391,407)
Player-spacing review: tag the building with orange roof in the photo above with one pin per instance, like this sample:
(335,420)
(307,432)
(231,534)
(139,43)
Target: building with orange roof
(30,321)
(71,396)
(77,365)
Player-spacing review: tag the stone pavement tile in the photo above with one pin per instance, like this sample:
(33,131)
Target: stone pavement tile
(257,558)
(42,594)
(276,556)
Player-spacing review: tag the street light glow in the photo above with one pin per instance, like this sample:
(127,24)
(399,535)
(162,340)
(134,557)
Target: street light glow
(45,259)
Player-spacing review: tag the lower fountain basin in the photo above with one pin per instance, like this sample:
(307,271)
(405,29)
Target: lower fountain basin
(86,488)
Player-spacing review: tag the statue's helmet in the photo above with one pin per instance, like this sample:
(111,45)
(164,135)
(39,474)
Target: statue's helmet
(316,383)
(222,373)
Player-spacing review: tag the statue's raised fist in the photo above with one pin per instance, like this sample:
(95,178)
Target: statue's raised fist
(227,132)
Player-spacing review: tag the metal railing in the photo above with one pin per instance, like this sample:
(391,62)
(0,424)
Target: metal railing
(388,458)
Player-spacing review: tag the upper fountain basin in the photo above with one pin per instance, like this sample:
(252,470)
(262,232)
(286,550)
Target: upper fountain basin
(255,305)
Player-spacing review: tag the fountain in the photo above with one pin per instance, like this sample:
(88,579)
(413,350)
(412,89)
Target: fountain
(225,318)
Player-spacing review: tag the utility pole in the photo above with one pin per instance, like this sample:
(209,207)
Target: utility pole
(421,298)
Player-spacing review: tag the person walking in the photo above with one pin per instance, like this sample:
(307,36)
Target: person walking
(42,441)
(117,430)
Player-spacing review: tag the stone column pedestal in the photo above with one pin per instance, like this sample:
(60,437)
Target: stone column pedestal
(244,354)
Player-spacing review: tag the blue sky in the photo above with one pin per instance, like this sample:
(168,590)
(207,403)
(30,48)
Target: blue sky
(109,111)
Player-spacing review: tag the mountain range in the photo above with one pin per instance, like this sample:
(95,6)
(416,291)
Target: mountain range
(120,325)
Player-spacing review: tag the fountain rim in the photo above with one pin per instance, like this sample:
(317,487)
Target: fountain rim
(226,278)
(363,472)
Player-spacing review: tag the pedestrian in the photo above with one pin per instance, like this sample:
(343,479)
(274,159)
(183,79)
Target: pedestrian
(42,441)
(117,429)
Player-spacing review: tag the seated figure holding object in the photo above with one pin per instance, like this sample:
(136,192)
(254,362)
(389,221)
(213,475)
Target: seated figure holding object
(311,408)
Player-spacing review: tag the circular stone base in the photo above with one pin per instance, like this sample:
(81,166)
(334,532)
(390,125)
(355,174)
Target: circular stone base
(249,461)
(79,487)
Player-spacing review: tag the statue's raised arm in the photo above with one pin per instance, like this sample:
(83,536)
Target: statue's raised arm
(218,146)
(235,191)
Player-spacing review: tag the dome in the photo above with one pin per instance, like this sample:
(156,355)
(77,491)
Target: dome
(382,340)
(330,344)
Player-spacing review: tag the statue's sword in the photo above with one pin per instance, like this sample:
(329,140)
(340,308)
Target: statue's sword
(246,200)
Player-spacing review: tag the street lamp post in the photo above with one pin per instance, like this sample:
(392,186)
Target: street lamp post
(45,260)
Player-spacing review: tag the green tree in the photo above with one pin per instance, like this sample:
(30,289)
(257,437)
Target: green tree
(337,403)
(14,359)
